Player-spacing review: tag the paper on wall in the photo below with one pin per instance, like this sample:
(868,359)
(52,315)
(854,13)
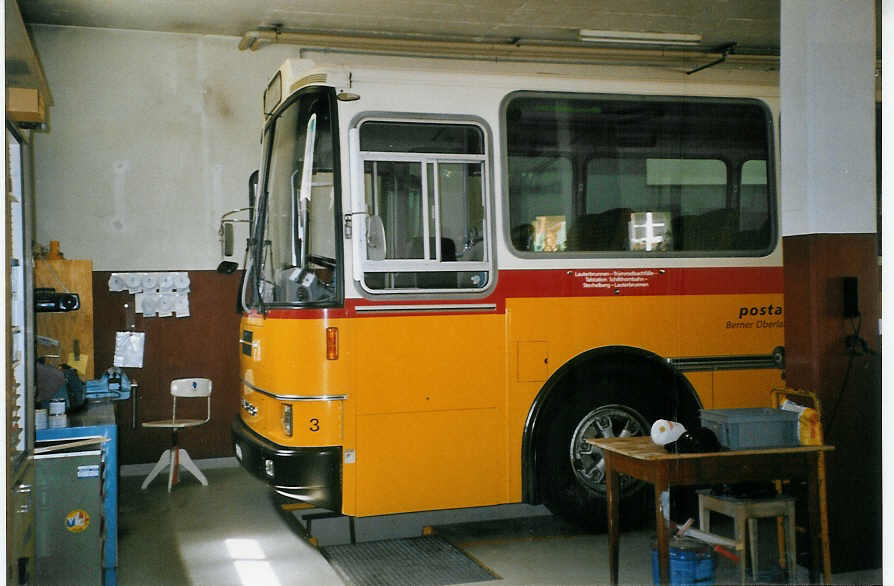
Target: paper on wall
(166,304)
(159,294)
(149,304)
(116,282)
(129,349)
(181,305)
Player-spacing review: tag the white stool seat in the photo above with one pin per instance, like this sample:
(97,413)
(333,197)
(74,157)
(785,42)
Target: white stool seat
(175,456)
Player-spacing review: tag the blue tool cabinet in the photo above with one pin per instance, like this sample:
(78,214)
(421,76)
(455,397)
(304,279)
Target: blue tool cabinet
(97,419)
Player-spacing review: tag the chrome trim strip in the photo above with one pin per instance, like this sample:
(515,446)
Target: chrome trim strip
(439,307)
(295,397)
(702,363)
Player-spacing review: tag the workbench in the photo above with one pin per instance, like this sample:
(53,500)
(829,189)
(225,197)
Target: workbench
(641,458)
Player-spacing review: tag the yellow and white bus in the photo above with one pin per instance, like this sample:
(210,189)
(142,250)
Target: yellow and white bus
(455,276)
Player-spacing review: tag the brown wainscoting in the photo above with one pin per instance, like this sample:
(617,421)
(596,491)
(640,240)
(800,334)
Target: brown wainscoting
(848,383)
(205,344)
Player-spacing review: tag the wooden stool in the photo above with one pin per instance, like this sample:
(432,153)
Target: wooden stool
(743,510)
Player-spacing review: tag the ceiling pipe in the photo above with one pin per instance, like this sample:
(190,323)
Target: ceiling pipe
(254,40)
(510,50)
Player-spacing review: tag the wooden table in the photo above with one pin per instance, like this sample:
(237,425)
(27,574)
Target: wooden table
(640,458)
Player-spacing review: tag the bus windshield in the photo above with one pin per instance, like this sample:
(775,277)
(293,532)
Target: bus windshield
(296,236)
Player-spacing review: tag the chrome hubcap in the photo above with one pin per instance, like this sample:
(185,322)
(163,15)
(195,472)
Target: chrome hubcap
(586,459)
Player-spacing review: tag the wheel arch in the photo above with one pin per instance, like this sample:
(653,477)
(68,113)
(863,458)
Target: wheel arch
(560,386)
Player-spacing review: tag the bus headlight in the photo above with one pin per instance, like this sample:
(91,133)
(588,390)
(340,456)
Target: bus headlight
(287,419)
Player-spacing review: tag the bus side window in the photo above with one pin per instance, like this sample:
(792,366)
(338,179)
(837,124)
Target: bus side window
(694,170)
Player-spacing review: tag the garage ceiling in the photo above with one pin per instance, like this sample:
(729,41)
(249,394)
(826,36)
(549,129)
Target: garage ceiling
(753,24)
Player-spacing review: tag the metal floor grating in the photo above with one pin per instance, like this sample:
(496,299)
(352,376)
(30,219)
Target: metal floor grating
(417,561)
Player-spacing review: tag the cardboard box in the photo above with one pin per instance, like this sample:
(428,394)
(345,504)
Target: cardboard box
(25,105)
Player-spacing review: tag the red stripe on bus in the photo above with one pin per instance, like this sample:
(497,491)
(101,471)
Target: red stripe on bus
(627,282)
(620,282)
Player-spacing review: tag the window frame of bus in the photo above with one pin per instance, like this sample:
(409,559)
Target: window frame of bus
(427,160)
(733,175)
(259,234)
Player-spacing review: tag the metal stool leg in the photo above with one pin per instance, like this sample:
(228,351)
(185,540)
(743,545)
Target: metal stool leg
(175,465)
(740,542)
(791,544)
(704,515)
(164,460)
(753,543)
(187,463)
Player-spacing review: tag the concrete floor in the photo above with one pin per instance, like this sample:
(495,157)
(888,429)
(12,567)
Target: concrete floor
(231,533)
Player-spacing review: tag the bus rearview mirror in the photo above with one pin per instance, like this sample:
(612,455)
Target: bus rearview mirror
(375,238)
(228,239)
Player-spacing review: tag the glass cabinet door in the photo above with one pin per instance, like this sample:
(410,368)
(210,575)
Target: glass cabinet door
(18,350)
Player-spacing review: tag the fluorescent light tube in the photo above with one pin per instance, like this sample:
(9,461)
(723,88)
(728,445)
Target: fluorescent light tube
(639,38)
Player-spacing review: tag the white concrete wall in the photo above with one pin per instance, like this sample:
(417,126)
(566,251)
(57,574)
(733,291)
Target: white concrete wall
(152,137)
(827,86)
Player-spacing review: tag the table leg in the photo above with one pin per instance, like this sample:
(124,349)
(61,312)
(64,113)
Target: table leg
(824,516)
(817,519)
(814,524)
(661,528)
(612,495)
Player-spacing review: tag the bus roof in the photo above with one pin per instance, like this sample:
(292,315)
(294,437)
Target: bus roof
(297,72)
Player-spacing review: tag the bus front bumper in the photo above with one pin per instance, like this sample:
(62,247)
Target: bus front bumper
(311,475)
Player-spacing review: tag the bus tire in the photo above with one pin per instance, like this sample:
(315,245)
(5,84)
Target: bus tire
(571,471)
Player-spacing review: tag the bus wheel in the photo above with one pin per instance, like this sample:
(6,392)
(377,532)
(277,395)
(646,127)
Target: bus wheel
(586,459)
(573,473)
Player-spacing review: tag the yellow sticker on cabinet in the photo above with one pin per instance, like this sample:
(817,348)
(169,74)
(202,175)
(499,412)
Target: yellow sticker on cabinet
(77,521)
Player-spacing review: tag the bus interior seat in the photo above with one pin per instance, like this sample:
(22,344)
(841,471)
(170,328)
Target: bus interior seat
(756,239)
(606,230)
(416,250)
(423,280)
(475,252)
(374,281)
(713,230)
(523,237)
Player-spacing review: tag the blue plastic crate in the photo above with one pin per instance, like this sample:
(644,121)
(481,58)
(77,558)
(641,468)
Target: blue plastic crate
(752,428)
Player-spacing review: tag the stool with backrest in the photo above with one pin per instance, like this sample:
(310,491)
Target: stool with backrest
(175,456)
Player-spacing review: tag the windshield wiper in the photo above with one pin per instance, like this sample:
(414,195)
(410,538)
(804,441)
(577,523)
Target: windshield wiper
(302,198)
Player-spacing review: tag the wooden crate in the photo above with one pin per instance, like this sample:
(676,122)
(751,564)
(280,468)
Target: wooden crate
(25,105)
